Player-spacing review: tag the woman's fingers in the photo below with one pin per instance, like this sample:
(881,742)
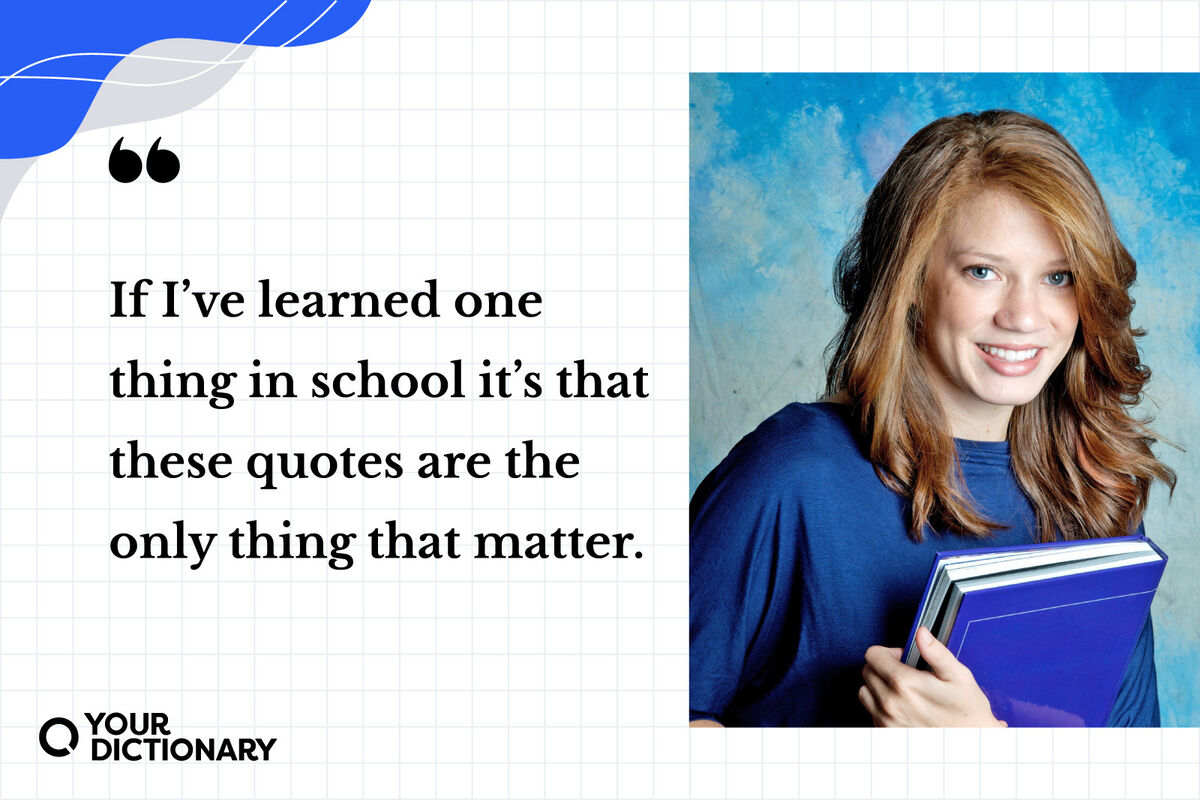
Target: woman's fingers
(941,660)
(870,703)
(893,686)
(878,688)
(886,662)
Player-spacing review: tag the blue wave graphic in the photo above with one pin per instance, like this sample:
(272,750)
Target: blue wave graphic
(54,57)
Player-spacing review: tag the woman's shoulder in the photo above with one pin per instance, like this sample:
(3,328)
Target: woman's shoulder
(806,430)
(800,437)
(803,456)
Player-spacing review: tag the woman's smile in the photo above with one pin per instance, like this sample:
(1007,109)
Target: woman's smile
(1011,360)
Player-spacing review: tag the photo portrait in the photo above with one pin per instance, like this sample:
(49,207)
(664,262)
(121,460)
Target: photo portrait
(951,314)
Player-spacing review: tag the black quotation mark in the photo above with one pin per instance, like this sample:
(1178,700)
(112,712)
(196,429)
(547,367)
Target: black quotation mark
(126,166)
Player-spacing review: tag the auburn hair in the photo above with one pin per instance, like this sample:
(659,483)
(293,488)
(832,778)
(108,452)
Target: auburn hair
(1084,462)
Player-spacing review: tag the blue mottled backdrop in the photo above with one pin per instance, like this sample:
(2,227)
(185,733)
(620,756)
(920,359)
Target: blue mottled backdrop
(781,165)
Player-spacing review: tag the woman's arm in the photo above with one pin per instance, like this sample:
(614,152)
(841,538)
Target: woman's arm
(705,723)
(745,523)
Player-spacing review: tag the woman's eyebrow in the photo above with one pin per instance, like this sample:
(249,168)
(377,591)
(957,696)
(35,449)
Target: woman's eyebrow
(998,259)
(974,253)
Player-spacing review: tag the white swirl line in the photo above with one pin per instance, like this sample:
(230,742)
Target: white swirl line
(116,55)
(309,25)
(212,65)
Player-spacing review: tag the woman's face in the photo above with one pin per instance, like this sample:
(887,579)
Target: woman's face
(1000,312)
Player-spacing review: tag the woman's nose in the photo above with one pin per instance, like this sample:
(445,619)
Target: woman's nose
(1021,311)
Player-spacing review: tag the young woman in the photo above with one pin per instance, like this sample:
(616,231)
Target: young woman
(979,393)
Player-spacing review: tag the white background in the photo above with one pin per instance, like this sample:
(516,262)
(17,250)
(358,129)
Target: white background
(492,145)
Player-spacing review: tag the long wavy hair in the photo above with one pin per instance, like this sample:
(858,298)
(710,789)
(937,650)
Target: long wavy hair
(1084,462)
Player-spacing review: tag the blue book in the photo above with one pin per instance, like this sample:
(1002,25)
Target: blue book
(1046,629)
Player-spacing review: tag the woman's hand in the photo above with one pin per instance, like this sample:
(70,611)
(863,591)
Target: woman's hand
(898,695)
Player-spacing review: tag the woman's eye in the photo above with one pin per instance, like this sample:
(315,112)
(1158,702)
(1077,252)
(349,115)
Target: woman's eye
(1059,279)
(980,273)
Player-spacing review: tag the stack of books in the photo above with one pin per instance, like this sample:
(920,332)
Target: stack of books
(1047,630)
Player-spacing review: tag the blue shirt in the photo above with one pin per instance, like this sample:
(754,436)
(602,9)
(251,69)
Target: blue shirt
(801,560)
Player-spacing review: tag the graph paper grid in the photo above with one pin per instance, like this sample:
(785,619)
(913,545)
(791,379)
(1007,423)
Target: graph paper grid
(517,145)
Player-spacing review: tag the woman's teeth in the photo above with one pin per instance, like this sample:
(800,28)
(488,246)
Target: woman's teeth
(1010,355)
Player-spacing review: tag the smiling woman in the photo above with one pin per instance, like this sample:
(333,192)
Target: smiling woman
(979,393)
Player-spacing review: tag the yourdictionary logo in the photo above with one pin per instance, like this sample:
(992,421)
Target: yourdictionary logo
(52,724)
(145,737)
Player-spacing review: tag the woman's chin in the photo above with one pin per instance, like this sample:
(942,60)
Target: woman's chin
(1009,398)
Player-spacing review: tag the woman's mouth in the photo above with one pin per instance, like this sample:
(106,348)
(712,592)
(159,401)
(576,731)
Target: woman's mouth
(1012,361)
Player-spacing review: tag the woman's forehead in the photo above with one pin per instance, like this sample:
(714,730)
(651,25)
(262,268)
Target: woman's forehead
(1001,227)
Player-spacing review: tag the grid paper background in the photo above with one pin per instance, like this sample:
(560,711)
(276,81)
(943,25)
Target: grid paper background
(494,145)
